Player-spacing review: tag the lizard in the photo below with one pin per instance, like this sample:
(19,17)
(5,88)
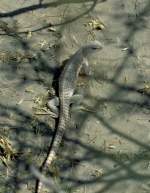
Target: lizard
(66,87)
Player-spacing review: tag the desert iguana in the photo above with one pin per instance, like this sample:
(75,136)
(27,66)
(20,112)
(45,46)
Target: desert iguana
(67,84)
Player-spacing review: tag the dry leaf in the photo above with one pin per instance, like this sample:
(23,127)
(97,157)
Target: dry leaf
(52,29)
(20,102)
(96,24)
(6,150)
(29,89)
(29,35)
(125,49)
(43,43)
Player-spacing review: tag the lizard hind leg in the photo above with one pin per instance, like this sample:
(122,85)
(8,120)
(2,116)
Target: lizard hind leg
(76,101)
(53,105)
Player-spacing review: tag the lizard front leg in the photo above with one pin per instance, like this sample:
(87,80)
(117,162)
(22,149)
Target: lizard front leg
(85,67)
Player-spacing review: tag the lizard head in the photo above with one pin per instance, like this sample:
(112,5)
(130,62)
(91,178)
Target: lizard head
(91,47)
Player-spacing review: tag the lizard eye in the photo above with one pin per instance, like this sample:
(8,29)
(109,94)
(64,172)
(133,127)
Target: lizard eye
(94,48)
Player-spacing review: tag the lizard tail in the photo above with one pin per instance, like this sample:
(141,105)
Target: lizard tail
(50,157)
(53,149)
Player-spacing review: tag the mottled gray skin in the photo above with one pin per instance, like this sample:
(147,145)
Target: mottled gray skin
(67,85)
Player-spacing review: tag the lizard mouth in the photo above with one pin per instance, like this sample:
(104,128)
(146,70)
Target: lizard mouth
(96,48)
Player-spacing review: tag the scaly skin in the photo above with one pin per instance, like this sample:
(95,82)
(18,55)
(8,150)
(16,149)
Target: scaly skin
(67,84)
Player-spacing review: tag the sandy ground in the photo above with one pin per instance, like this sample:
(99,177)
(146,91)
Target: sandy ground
(106,148)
